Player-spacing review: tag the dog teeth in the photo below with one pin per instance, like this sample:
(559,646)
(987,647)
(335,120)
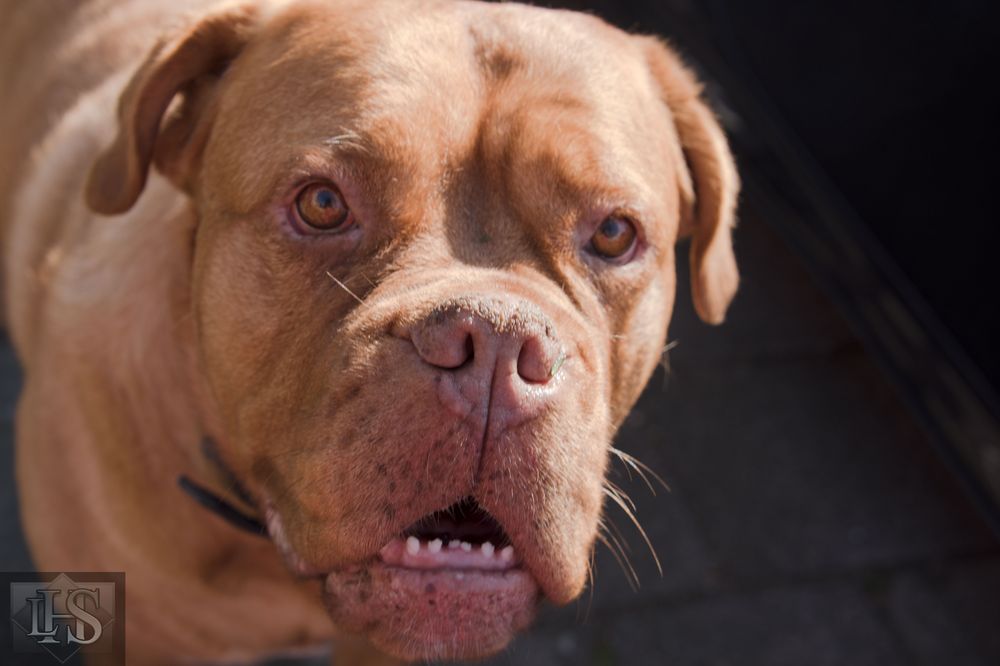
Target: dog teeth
(414,545)
(436,553)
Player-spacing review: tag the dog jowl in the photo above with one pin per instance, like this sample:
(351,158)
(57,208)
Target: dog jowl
(413,264)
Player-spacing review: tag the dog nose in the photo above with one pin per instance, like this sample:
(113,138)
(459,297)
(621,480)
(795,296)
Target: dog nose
(510,341)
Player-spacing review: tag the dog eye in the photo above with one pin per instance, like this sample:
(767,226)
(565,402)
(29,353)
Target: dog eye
(614,238)
(321,207)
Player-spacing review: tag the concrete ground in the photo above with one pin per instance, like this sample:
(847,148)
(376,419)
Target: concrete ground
(809,522)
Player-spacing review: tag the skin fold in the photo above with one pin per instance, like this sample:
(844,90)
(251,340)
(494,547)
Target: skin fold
(458,338)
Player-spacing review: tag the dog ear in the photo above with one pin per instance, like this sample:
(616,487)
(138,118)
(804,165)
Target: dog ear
(709,184)
(189,65)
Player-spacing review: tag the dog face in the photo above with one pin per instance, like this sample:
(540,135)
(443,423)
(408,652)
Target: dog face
(432,271)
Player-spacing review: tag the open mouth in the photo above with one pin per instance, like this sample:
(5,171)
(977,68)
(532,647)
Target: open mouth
(450,585)
(462,537)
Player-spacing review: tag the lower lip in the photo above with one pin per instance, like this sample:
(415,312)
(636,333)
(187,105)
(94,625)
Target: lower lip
(420,612)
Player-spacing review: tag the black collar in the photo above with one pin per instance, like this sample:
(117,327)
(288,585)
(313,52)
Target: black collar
(214,502)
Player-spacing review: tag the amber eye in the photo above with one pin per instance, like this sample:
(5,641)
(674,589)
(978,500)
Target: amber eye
(614,238)
(322,207)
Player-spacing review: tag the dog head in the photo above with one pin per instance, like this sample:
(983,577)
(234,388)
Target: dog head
(432,271)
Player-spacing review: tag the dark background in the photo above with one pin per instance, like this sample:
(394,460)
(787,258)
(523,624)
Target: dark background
(896,103)
(866,136)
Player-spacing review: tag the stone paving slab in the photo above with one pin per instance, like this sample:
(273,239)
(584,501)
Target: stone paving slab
(800,467)
(820,625)
(971,593)
(933,632)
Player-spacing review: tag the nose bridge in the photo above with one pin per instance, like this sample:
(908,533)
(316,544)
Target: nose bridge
(508,317)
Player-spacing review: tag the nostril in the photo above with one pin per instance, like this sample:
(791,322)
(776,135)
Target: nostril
(539,360)
(470,349)
(445,347)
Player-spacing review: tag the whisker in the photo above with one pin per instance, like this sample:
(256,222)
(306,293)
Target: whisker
(642,469)
(635,521)
(344,287)
(591,583)
(665,361)
(620,493)
(626,568)
(619,537)
(624,563)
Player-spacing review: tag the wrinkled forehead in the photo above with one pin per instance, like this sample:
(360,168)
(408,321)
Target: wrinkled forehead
(426,85)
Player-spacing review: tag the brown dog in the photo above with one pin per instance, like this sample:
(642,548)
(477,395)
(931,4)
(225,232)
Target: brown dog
(408,263)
